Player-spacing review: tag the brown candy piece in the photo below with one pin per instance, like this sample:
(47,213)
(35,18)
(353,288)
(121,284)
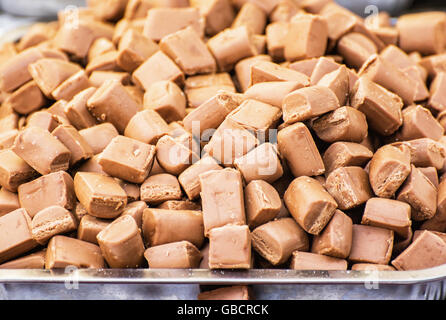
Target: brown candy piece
(218,14)
(252,16)
(121,243)
(371,267)
(174,155)
(89,227)
(437,100)
(14,171)
(227,293)
(262,203)
(27,98)
(309,204)
(265,71)
(134,49)
(71,86)
(71,138)
(272,92)
(146,126)
(9,201)
(159,188)
(356,48)
(76,110)
(176,255)
(99,136)
(418,122)
(312,261)
(426,152)
(31,261)
(135,210)
(243,70)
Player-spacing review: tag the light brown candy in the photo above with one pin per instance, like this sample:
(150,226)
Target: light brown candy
(390,214)
(276,39)
(230,247)
(76,110)
(218,14)
(312,261)
(426,152)
(175,155)
(97,78)
(389,168)
(27,98)
(112,103)
(42,151)
(323,66)
(146,126)
(42,119)
(381,107)
(266,71)
(432,174)
(161,226)
(92,165)
(438,222)
(418,122)
(49,190)
(134,49)
(199,89)
(135,210)
(71,138)
(109,10)
(285,10)
(89,227)
(226,293)
(252,16)
(339,21)
(31,261)
(339,82)
(176,255)
(121,243)
(179,205)
(102,196)
(434,64)
(14,171)
(372,267)
(309,204)
(437,100)
(159,188)
(7,138)
(9,201)
(158,67)
(222,198)
(356,48)
(16,234)
(100,46)
(71,86)
(128,159)
(371,245)
(388,35)
(50,222)
(421,194)
(131,189)
(243,70)
(262,203)
(272,92)
(99,136)
(64,251)
(344,154)
(427,251)
(297,146)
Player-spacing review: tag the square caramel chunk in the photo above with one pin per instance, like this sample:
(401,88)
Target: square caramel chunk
(72,139)
(262,203)
(147,126)
(313,261)
(175,255)
(159,188)
(14,171)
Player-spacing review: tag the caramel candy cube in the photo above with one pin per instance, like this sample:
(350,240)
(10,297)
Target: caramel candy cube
(243,70)
(200,91)
(437,100)
(389,168)
(110,11)
(135,210)
(102,196)
(186,48)
(9,201)
(76,110)
(310,204)
(381,107)
(161,22)
(222,198)
(420,194)
(27,98)
(100,46)
(97,78)
(336,239)
(265,71)
(252,16)
(15,228)
(189,178)
(297,146)
(276,40)
(230,247)
(166,98)
(426,152)
(180,205)
(418,122)
(41,150)
(371,267)
(158,67)
(307,37)
(7,138)
(99,136)
(276,240)
(71,138)
(50,222)
(337,81)
(226,293)
(218,14)
(159,188)
(306,103)
(89,227)
(112,103)
(262,203)
(14,171)
(54,189)
(432,174)
(31,261)
(261,163)
(272,92)
(371,245)
(146,126)
(343,124)
(160,226)
(64,251)
(345,154)
(121,243)
(230,46)
(349,186)
(312,261)
(176,255)
(127,159)
(133,50)
(356,48)
(71,86)
(390,214)
(42,119)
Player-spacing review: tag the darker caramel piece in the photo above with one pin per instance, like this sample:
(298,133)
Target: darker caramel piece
(262,203)
(106,104)
(27,98)
(135,210)
(99,136)
(52,221)
(9,201)
(427,251)
(312,261)
(70,137)
(418,122)
(390,214)
(175,155)
(297,146)
(76,110)
(16,234)
(71,86)
(276,240)
(127,159)
(371,245)
(389,168)
(159,188)
(438,222)
(421,194)
(102,196)
(381,107)
(64,251)
(343,124)
(14,171)
(432,174)
(176,255)
(309,204)
(356,48)
(49,190)
(89,227)
(33,142)
(222,198)
(227,293)
(121,243)
(160,226)
(158,67)
(426,152)
(31,261)
(230,247)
